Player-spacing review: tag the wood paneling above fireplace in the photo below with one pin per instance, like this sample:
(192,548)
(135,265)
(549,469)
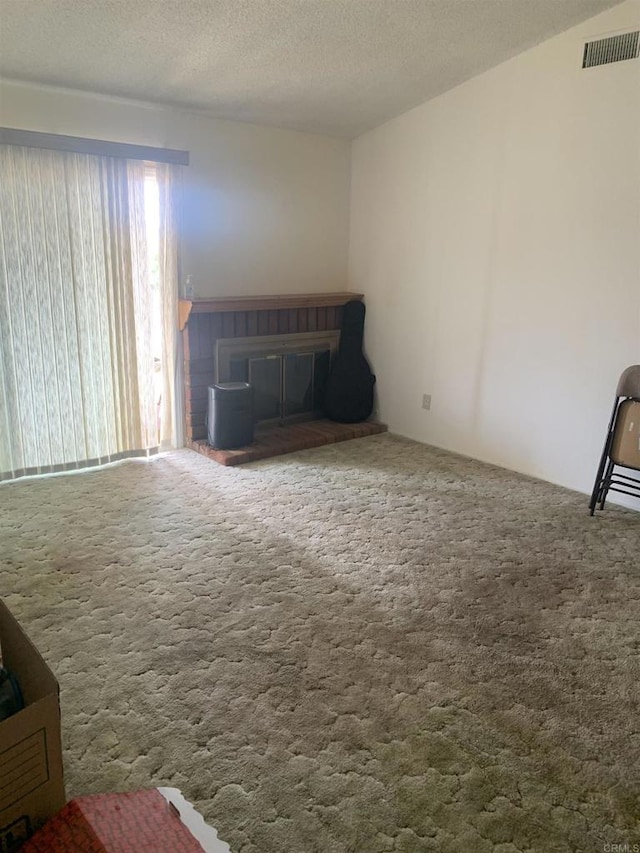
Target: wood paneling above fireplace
(205,320)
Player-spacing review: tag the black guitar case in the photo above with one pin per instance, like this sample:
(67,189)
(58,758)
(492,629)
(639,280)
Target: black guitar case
(348,394)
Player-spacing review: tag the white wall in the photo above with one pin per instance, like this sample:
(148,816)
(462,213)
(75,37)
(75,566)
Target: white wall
(495,232)
(266,210)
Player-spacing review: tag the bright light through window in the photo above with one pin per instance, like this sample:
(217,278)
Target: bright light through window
(152,223)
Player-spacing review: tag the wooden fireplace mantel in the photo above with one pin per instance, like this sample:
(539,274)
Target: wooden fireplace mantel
(221,304)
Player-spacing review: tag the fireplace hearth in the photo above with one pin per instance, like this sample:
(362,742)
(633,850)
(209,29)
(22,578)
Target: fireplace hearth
(274,440)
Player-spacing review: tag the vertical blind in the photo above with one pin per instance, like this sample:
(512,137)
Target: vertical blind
(76,321)
(171,404)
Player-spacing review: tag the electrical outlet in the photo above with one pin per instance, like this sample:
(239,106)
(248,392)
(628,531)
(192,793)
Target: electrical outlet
(426,401)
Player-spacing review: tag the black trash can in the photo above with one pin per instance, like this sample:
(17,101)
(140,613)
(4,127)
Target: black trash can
(230,415)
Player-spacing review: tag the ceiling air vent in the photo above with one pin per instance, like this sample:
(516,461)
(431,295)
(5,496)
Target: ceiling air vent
(611,49)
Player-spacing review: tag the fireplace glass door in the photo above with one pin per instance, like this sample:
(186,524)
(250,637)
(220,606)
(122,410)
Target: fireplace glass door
(297,391)
(265,375)
(285,387)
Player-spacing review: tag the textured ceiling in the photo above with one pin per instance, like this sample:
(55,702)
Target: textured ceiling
(326,66)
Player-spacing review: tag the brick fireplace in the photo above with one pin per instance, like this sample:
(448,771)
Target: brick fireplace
(206,321)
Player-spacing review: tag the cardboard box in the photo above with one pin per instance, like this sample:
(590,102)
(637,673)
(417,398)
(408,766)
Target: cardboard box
(31,780)
(625,449)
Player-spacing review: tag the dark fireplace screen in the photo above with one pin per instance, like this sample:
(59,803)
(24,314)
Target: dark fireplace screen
(285,387)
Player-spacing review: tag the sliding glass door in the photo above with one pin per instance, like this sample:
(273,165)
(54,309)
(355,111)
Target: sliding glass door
(88,284)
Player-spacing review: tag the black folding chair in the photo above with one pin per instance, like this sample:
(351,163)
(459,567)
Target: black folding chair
(622,445)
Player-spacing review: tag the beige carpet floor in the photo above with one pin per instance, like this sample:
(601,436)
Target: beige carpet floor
(372,646)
